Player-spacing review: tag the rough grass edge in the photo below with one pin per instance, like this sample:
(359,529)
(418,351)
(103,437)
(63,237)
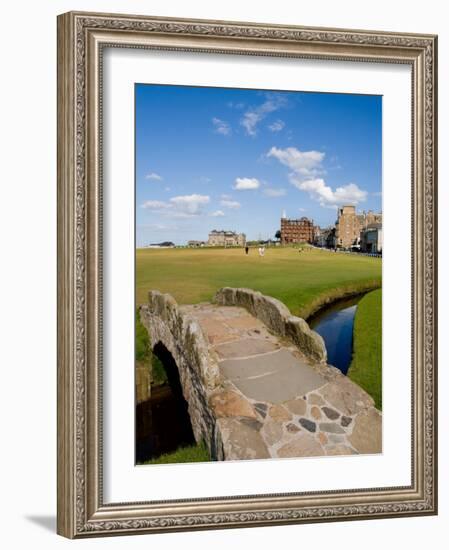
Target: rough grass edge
(364,370)
(328,297)
(190,453)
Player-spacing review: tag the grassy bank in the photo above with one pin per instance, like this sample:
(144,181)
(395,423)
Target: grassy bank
(144,354)
(366,366)
(143,347)
(304,281)
(193,453)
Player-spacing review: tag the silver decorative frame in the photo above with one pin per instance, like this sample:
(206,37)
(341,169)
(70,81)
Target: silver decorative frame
(81,37)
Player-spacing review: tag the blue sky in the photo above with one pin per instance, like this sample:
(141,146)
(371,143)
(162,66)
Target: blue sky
(218,158)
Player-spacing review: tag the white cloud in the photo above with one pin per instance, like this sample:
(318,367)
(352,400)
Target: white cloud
(153,176)
(183,206)
(245,184)
(254,115)
(306,166)
(277,126)
(306,163)
(217,213)
(225,197)
(350,193)
(270,192)
(155,205)
(190,204)
(326,196)
(233,205)
(221,127)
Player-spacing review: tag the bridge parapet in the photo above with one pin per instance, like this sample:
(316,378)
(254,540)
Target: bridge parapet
(185,333)
(277,317)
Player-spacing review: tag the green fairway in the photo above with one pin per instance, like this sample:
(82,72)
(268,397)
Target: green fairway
(302,280)
(366,365)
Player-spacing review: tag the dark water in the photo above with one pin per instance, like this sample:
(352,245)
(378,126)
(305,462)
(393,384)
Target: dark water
(335,324)
(163,422)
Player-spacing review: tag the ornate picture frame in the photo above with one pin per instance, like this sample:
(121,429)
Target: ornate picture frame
(82,38)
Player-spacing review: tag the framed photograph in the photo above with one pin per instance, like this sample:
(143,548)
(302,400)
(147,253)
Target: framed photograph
(246,274)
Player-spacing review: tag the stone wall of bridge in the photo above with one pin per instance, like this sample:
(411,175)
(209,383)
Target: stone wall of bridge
(199,374)
(277,318)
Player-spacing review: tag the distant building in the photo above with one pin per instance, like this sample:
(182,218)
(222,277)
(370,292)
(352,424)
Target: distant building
(370,217)
(196,244)
(165,244)
(371,239)
(318,236)
(226,238)
(350,225)
(331,239)
(347,228)
(297,231)
(325,238)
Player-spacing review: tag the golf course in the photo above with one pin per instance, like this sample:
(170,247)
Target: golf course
(303,279)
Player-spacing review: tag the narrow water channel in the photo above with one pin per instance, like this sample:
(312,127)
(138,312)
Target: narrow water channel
(335,323)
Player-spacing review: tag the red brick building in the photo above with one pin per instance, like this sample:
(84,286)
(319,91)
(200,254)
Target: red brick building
(297,231)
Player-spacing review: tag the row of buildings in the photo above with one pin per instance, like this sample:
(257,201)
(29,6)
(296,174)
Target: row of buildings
(361,231)
(351,230)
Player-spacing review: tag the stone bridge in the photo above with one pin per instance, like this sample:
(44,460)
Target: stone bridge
(256,381)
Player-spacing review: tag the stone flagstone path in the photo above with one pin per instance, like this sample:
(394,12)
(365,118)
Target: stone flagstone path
(274,401)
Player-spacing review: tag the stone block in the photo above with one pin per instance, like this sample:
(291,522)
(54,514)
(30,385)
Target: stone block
(366,435)
(296,406)
(229,404)
(241,441)
(303,445)
(330,413)
(308,425)
(279,413)
(315,399)
(272,432)
(307,340)
(345,396)
(331,427)
(340,450)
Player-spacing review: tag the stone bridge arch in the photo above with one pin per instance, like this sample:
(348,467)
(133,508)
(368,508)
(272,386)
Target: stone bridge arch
(170,328)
